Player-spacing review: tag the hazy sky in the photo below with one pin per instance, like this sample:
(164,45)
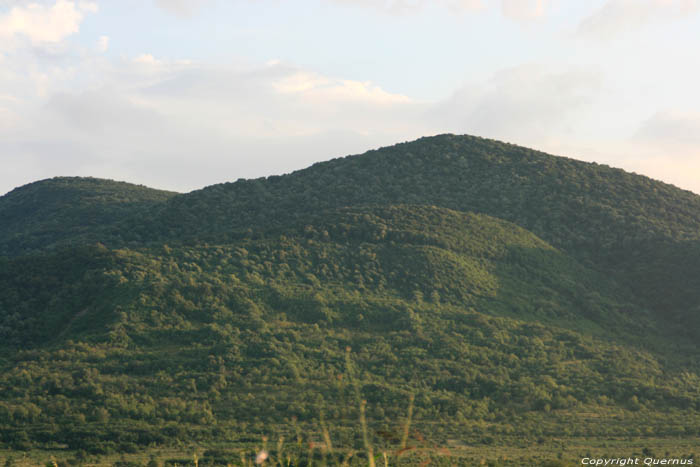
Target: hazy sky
(179,94)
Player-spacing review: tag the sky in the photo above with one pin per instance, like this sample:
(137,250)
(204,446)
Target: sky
(181,94)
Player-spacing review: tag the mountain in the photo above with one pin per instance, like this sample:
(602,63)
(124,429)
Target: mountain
(623,224)
(69,210)
(509,291)
(615,221)
(574,205)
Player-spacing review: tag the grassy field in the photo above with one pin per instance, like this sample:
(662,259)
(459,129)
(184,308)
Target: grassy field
(551,452)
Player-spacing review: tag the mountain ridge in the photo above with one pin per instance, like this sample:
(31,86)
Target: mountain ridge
(605,217)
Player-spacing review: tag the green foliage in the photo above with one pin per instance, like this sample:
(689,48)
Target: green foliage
(619,223)
(514,295)
(487,324)
(68,211)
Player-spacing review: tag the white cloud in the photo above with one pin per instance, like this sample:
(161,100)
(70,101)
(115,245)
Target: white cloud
(310,85)
(44,24)
(183,8)
(524,9)
(182,126)
(409,6)
(671,128)
(102,44)
(147,59)
(7,113)
(186,8)
(276,101)
(617,16)
(526,104)
(514,9)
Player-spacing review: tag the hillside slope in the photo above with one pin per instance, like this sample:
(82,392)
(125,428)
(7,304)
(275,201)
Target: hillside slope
(486,323)
(69,210)
(625,225)
(509,290)
(397,252)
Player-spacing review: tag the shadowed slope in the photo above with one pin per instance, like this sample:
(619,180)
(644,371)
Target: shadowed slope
(70,210)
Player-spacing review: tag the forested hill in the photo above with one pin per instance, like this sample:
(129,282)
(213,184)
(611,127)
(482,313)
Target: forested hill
(581,207)
(498,335)
(508,290)
(624,224)
(70,210)
(567,202)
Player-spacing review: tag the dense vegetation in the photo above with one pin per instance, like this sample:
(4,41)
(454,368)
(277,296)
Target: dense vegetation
(70,211)
(515,295)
